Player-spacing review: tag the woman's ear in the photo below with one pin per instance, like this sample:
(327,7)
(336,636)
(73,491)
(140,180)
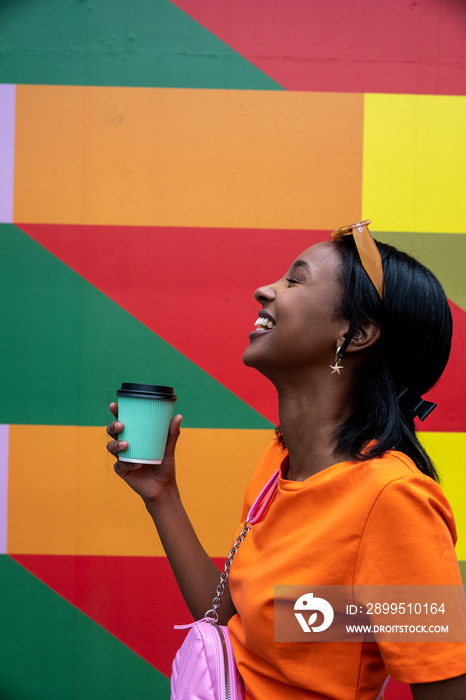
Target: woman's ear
(366,335)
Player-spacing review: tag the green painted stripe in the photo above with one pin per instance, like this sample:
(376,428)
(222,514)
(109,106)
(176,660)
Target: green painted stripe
(136,44)
(49,649)
(443,253)
(66,348)
(463,571)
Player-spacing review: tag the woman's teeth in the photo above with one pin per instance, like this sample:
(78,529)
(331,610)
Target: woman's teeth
(264,322)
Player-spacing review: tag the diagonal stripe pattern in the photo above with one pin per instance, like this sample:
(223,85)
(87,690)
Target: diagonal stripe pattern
(174,158)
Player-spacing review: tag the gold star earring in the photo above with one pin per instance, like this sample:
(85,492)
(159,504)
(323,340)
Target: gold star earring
(337,366)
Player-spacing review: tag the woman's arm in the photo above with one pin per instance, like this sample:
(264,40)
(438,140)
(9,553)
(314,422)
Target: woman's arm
(449,689)
(195,572)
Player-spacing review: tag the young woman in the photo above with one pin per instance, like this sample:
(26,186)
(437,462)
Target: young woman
(351,337)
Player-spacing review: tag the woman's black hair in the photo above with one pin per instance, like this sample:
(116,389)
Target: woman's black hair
(411,353)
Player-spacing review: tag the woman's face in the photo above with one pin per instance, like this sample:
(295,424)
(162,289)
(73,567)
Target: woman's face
(301,328)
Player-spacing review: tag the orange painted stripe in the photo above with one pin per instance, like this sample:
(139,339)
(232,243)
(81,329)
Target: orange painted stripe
(64,497)
(182,157)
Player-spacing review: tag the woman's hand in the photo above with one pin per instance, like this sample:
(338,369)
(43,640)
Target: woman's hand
(150,481)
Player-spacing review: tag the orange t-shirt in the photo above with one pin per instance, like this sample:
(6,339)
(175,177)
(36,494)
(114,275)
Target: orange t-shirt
(379,522)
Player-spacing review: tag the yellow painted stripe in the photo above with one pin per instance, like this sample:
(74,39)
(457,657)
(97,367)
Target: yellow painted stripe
(64,497)
(180,157)
(413,166)
(448,452)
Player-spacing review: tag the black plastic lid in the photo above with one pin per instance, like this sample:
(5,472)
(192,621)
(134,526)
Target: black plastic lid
(146,391)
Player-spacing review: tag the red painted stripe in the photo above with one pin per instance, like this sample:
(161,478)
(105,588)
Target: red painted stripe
(134,598)
(194,288)
(397,691)
(401,46)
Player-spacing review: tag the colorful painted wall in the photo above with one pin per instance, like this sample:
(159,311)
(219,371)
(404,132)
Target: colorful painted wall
(158,161)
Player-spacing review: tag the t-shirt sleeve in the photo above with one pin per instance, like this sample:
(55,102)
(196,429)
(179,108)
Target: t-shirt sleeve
(408,540)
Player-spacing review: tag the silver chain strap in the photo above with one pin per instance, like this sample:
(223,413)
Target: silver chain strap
(212,614)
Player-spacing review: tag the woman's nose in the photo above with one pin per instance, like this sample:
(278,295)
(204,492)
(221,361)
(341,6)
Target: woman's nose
(264,294)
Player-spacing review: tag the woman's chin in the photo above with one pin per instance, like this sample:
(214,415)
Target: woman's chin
(248,357)
(252,359)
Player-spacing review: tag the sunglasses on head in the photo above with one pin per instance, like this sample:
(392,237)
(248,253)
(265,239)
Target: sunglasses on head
(368,251)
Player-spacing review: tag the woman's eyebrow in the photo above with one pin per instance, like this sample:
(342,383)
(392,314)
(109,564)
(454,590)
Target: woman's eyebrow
(300,263)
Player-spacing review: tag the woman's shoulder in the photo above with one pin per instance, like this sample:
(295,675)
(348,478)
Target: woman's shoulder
(395,467)
(400,490)
(395,473)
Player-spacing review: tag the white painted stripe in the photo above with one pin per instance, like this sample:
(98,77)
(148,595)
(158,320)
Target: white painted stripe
(7,151)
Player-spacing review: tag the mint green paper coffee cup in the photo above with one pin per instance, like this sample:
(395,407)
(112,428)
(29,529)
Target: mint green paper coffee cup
(145,411)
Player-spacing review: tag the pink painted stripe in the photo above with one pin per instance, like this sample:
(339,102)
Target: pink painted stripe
(7,151)
(4,435)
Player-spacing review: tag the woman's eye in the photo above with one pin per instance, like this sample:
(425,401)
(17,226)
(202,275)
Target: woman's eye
(292,280)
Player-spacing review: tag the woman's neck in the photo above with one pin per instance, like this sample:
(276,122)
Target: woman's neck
(309,418)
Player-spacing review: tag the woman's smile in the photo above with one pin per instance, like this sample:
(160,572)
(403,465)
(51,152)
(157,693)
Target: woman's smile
(264,324)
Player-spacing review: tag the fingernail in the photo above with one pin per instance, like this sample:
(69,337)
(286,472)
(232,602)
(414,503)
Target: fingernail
(123,445)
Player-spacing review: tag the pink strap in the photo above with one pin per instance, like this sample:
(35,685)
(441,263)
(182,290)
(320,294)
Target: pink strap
(262,502)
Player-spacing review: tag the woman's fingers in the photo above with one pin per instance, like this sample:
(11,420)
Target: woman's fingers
(173,435)
(124,468)
(115,446)
(114,428)
(114,409)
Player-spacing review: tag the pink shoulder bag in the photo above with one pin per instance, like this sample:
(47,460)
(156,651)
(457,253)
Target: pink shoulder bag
(204,667)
